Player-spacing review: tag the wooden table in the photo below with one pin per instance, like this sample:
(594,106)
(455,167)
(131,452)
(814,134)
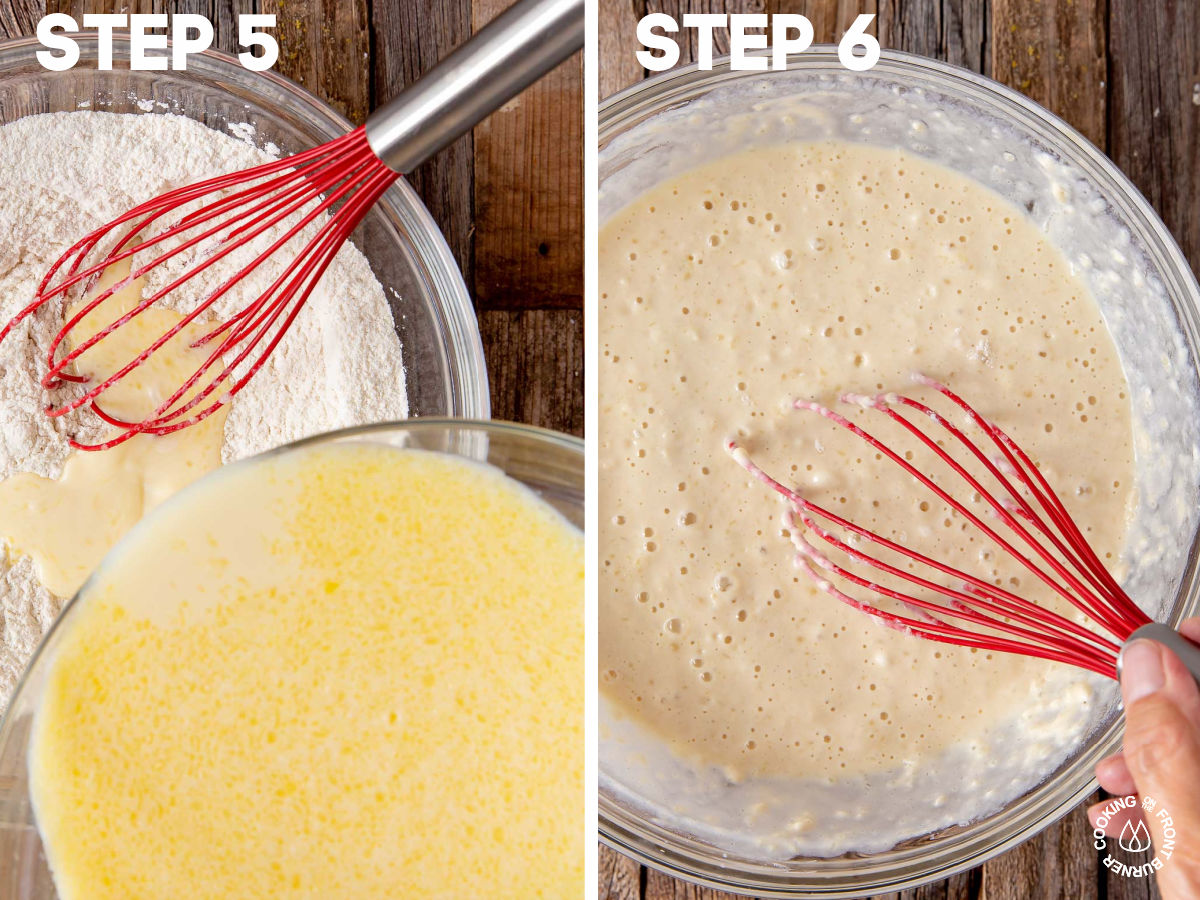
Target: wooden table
(509,197)
(1126,73)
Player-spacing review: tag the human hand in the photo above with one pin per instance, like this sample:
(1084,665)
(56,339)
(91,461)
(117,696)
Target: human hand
(1160,760)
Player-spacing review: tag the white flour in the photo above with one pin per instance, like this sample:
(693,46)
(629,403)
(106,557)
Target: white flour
(62,175)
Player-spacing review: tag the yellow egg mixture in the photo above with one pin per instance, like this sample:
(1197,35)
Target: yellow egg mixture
(346,671)
(67,524)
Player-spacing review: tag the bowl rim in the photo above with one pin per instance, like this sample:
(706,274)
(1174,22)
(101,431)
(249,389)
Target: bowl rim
(469,387)
(638,837)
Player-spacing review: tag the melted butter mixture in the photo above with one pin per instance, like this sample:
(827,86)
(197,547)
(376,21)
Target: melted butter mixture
(351,691)
(806,271)
(67,524)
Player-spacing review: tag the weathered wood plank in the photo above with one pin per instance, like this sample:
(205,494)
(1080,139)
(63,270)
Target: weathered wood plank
(1054,52)
(916,26)
(965,35)
(324,45)
(224,15)
(617,44)
(964,886)
(535,364)
(529,192)
(663,887)
(1059,862)
(619,876)
(409,37)
(77,8)
(19,17)
(1154,126)
(951,30)
(830,18)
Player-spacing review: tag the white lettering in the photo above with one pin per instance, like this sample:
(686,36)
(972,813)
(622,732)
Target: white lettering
(651,41)
(740,41)
(782,45)
(141,40)
(182,44)
(46,35)
(104,23)
(249,38)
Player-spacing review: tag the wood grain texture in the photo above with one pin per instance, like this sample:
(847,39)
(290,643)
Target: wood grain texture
(1154,121)
(620,877)
(615,48)
(830,18)
(20,16)
(953,30)
(535,363)
(1054,52)
(77,8)
(223,14)
(323,45)
(529,192)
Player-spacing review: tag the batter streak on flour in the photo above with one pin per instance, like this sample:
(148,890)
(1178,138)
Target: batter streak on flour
(62,175)
(807,271)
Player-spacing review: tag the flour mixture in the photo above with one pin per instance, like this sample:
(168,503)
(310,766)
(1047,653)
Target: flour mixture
(806,271)
(62,175)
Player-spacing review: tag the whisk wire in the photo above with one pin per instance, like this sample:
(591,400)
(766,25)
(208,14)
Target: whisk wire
(56,367)
(255,322)
(977,593)
(318,196)
(1084,556)
(1023,502)
(1076,591)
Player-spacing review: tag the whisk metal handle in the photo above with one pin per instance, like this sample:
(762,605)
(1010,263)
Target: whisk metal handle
(503,58)
(1188,652)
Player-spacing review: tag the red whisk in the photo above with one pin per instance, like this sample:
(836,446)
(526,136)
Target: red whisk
(939,602)
(317,197)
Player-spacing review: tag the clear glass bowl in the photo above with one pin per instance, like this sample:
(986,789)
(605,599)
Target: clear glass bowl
(443,354)
(547,462)
(663,126)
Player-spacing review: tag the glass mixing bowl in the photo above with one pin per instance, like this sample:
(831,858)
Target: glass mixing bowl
(548,463)
(1113,239)
(443,354)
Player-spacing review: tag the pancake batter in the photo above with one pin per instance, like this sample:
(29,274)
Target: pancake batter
(808,271)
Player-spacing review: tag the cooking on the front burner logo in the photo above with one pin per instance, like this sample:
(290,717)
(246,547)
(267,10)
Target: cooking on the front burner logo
(1135,836)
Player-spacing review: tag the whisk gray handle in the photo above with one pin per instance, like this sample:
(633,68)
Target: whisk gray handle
(503,58)
(1188,652)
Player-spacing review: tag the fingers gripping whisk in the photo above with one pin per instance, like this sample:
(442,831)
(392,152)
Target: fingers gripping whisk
(1010,504)
(308,204)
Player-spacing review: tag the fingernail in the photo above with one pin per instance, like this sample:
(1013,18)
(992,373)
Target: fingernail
(1141,671)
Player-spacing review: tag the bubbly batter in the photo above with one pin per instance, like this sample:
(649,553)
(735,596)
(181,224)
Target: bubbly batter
(805,271)
(322,675)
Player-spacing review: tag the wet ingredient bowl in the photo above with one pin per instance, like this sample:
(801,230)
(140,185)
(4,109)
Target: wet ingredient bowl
(443,354)
(546,462)
(1113,239)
